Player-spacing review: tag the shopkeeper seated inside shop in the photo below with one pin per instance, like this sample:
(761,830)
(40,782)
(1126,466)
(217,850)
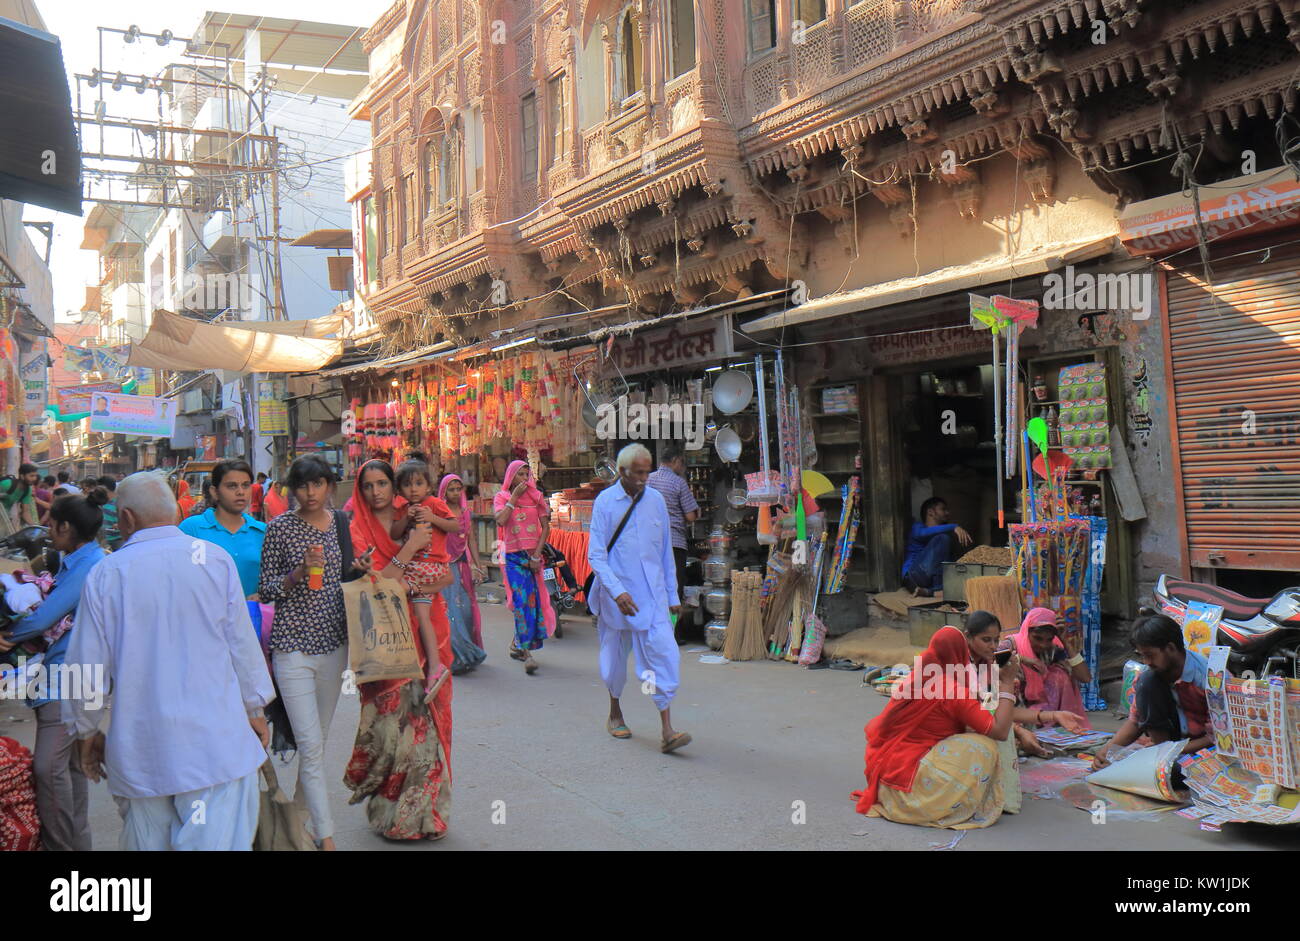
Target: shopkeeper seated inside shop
(1169,701)
(930,543)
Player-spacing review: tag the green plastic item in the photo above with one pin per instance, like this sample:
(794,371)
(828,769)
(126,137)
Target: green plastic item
(1037,429)
(801,519)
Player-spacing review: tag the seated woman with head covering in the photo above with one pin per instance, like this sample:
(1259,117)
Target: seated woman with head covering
(1052,670)
(932,759)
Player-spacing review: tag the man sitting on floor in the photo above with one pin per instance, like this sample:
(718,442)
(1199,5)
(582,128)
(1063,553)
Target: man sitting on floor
(1169,701)
(929,545)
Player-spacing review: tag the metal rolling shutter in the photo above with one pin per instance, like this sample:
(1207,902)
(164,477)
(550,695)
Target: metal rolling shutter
(1234,354)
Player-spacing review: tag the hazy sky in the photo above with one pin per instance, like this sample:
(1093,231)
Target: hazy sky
(75,22)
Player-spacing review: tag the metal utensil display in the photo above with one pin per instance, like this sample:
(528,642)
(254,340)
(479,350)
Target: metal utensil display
(607,471)
(727,444)
(733,392)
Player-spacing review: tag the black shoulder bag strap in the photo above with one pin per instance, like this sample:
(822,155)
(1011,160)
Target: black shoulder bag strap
(343,531)
(618,531)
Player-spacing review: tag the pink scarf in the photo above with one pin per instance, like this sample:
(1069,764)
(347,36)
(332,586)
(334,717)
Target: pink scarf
(1047,685)
(532,499)
(456,542)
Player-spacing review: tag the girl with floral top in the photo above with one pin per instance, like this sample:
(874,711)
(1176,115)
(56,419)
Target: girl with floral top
(309,633)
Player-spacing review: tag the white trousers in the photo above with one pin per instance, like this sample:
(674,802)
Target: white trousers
(658,661)
(310,685)
(216,819)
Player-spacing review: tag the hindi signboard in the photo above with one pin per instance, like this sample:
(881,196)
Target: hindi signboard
(73,400)
(683,344)
(272,407)
(133,415)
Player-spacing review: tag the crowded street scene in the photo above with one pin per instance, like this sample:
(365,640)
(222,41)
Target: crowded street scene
(851,425)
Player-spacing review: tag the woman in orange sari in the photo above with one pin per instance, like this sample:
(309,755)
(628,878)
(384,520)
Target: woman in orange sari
(932,757)
(402,757)
(184,501)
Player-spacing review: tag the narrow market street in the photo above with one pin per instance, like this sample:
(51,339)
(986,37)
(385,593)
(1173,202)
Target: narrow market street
(765,735)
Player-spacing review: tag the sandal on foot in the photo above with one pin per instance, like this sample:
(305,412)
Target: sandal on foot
(618,731)
(676,742)
(517,654)
(439,679)
(530,665)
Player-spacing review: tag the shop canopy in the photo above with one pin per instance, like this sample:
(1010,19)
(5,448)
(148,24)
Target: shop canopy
(943,281)
(40,162)
(178,343)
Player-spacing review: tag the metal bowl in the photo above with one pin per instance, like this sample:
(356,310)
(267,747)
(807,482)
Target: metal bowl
(734,515)
(727,444)
(733,392)
(606,471)
(737,496)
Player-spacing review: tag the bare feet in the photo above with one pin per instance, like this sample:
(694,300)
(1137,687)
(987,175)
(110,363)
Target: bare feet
(327,845)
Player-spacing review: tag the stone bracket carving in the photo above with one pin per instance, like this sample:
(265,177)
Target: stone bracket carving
(1040,177)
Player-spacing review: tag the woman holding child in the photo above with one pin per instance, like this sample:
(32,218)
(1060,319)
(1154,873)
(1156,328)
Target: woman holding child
(401,761)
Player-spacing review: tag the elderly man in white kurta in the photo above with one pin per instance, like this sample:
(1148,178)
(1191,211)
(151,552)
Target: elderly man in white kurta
(635,591)
(166,617)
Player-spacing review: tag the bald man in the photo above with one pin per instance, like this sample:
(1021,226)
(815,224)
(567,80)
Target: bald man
(164,617)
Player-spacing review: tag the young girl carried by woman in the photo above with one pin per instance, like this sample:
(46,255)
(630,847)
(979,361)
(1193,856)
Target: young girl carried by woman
(415,483)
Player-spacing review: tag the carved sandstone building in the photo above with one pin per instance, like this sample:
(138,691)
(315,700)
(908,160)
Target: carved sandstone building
(538,159)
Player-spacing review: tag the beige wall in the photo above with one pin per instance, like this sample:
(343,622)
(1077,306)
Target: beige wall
(1009,222)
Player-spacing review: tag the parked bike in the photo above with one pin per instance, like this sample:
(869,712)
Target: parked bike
(1262,634)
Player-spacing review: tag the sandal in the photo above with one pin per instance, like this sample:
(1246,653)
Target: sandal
(676,742)
(530,665)
(618,731)
(517,654)
(440,678)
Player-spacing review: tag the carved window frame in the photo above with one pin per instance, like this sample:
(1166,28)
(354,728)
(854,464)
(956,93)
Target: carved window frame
(771,17)
(628,57)
(672,18)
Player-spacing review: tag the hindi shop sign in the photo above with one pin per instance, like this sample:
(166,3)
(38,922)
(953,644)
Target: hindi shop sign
(682,344)
(133,415)
(272,407)
(73,400)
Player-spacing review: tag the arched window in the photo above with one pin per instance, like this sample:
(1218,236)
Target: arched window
(429,173)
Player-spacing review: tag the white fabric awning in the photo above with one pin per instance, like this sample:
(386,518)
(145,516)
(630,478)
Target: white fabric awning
(317,328)
(177,343)
(942,281)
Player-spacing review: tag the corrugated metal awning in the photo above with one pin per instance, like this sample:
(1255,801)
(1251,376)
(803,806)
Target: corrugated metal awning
(409,358)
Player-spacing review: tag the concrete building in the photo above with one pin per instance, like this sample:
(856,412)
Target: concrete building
(253,92)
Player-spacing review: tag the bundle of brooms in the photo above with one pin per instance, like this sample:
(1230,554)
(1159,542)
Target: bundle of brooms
(780,609)
(745,638)
(999,595)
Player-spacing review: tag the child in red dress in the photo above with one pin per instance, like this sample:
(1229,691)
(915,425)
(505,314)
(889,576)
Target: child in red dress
(415,483)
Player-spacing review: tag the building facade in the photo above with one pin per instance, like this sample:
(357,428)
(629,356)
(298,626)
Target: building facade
(566,166)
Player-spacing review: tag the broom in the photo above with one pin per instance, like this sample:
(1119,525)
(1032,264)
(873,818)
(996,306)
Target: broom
(738,627)
(999,595)
(776,623)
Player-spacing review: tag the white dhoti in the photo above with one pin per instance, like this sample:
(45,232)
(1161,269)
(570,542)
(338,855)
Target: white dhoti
(657,658)
(218,818)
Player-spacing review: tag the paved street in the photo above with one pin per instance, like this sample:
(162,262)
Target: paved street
(766,735)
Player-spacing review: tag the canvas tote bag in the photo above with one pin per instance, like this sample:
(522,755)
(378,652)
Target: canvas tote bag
(279,823)
(381,639)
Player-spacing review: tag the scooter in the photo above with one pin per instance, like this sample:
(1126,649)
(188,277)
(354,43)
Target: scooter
(1263,634)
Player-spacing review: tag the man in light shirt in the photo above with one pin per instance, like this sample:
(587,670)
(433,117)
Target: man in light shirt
(683,510)
(165,620)
(635,591)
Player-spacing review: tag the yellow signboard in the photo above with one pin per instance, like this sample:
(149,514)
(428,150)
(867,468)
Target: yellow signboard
(272,409)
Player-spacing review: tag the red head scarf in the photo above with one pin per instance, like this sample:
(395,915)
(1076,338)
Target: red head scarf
(367,530)
(899,737)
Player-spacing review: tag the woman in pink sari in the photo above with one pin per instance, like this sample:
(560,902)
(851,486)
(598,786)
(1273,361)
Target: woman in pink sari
(462,602)
(523,519)
(1052,670)
(401,760)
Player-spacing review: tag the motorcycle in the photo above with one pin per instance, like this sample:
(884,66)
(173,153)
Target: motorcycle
(1262,634)
(30,547)
(561,585)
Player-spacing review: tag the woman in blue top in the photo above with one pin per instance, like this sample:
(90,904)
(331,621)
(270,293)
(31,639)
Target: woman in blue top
(227,523)
(61,791)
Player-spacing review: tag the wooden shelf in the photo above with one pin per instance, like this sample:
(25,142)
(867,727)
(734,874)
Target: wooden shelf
(849,415)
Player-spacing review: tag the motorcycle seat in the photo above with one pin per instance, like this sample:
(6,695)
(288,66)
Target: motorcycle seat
(1235,607)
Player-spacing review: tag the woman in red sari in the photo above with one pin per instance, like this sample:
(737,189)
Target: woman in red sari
(402,757)
(931,756)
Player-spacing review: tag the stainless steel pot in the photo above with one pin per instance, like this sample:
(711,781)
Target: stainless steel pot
(717,601)
(717,569)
